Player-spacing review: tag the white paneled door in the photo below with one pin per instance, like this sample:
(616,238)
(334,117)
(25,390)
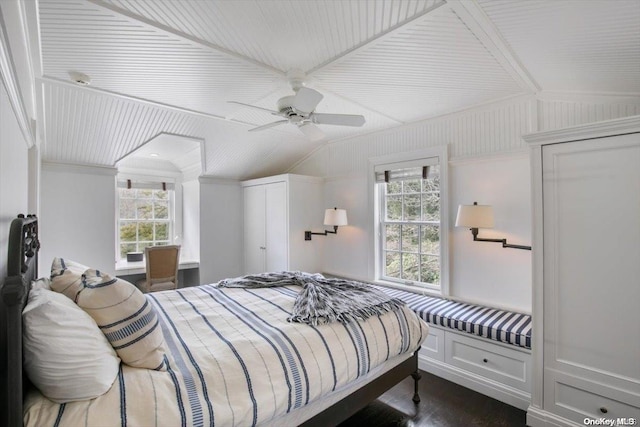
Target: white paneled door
(591,195)
(265,228)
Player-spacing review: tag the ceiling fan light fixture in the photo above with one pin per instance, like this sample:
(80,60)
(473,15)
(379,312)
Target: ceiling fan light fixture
(311,131)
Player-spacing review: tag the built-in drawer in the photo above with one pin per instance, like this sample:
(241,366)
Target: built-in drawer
(505,365)
(577,398)
(433,345)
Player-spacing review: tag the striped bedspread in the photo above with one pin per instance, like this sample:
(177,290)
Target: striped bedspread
(234,360)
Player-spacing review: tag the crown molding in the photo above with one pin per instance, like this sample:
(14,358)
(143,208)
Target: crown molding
(605,128)
(204,179)
(589,97)
(12,86)
(79,168)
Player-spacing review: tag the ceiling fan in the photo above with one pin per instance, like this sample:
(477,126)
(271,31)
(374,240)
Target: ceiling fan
(299,110)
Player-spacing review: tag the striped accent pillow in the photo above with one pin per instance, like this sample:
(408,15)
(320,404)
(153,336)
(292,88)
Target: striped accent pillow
(66,277)
(126,318)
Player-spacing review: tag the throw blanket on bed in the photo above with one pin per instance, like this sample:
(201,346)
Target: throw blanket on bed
(323,300)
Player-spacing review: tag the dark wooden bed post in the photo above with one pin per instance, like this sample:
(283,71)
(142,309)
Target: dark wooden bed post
(22,268)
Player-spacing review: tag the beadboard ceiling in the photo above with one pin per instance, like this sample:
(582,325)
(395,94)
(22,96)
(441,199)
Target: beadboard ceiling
(163,68)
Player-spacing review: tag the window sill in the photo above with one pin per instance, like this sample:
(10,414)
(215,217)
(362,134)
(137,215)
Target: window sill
(414,289)
(140,267)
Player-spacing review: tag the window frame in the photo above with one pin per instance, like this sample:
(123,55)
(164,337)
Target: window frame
(141,183)
(377,206)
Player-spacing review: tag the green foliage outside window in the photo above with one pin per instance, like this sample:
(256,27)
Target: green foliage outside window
(411,229)
(145,219)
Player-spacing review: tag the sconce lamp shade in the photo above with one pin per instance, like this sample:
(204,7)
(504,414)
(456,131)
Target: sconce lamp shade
(475,216)
(481,216)
(335,217)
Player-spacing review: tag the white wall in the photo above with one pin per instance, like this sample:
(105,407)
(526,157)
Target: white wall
(306,213)
(220,229)
(489,163)
(485,272)
(14,174)
(77,219)
(190,220)
(347,252)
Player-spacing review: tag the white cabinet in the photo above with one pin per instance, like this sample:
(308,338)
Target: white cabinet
(265,226)
(586,273)
(277,211)
(495,369)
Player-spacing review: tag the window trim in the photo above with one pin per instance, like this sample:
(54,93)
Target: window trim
(174,201)
(375,232)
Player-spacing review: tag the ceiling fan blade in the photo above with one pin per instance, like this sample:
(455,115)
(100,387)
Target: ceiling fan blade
(306,100)
(311,131)
(268,125)
(254,107)
(338,119)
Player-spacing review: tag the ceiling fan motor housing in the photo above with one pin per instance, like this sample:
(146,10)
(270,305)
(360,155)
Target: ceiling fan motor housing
(285,108)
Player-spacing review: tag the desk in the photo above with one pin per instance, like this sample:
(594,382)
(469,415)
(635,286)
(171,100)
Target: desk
(188,271)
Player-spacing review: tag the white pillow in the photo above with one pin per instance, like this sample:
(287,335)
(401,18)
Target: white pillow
(41,283)
(65,354)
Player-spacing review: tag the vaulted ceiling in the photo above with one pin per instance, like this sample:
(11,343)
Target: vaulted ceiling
(168,67)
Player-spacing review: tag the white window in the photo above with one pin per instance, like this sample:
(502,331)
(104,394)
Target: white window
(412,229)
(145,216)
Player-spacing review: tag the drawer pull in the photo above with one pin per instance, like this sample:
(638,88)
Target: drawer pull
(485,360)
(604,410)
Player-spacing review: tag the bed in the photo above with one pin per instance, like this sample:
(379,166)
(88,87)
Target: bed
(232,359)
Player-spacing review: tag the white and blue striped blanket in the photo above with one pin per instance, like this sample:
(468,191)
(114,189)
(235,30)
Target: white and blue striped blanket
(234,360)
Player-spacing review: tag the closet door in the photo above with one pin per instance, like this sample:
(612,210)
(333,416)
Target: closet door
(591,194)
(276,227)
(254,229)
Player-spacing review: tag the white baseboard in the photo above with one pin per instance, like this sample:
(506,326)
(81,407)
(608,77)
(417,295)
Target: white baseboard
(494,389)
(537,417)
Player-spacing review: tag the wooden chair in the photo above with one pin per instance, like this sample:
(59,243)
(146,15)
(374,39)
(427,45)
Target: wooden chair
(162,268)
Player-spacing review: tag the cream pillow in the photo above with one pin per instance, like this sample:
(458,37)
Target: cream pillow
(126,318)
(65,354)
(41,283)
(66,277)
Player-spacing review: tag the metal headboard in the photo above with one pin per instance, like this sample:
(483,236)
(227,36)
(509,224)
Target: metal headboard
(22,269)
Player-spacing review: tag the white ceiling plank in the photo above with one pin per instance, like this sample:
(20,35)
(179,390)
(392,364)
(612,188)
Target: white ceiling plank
(199,42)
(54,80)
(166,66)
(479,23)
(573,45)
(377,38)
(430,66)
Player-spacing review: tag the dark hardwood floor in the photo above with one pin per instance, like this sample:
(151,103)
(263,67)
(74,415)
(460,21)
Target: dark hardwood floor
(443,404)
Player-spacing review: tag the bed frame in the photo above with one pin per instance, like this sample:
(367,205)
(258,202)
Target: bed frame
(22,269)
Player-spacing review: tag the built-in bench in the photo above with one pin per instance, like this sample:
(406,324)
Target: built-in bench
(495,324)
(485,349)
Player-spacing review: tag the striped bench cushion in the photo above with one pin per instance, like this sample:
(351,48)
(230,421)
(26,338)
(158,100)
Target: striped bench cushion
(492,323)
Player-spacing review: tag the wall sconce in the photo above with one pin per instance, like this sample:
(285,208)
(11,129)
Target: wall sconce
(480,216)
(335,217)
